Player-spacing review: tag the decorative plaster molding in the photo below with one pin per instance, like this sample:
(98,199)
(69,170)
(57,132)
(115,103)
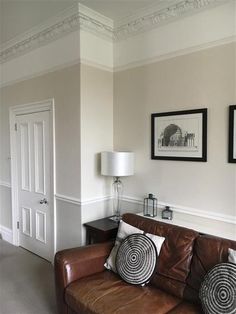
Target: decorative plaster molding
(146,22)
(81,17)
(58,27)
(41,38)
(94,22)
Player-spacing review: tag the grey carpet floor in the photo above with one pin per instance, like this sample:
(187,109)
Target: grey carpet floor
(26,282)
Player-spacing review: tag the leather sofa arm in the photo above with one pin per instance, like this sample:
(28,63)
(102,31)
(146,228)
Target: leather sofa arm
(76,263)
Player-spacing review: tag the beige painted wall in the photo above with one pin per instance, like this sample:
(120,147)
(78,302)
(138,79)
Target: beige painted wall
(96,136)
(198,80)
(64,87)
(96,129)
(204,79)
(84,127)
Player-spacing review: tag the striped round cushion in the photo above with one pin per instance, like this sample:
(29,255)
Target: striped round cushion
(218,290)
(136,259)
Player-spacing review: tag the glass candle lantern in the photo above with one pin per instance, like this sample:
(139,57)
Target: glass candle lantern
(150,206)
(167,213)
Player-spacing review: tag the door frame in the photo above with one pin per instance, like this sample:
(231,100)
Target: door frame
(14,111)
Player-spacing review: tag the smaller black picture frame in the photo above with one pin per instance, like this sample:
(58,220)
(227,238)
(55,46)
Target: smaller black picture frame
(182,153)
(232,131)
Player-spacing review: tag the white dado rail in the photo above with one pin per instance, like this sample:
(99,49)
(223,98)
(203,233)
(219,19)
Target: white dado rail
(77,201)
(202,221)
(188,210)
(200,224)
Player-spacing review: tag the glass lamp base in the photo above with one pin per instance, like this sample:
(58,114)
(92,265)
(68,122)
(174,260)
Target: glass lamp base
(116,218)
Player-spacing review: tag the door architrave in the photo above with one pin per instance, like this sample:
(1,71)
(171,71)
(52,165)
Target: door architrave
(14,111)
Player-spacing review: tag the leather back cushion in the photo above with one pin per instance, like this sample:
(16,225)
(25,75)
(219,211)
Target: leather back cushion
(175,256)
(208,252)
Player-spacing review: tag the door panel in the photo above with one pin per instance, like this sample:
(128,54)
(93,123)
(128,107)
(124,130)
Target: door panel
(41,226)
(34,182)
(25,156)
(27,221)
(39,157)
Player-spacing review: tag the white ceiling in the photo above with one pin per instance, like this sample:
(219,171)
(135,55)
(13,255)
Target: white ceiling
(118,9)
(18,16)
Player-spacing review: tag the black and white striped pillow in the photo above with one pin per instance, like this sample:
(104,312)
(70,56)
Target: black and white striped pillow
(136,259)
(218,290)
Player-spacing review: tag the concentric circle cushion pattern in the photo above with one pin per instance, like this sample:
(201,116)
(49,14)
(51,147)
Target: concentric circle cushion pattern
(218,290)
(136,259)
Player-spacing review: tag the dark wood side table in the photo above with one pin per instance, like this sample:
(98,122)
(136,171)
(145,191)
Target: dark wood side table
(101,230)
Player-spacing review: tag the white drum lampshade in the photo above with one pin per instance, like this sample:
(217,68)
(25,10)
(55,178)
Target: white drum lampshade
(117,164)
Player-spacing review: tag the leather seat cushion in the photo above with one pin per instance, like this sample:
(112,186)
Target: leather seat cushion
(107,293)
(186,308)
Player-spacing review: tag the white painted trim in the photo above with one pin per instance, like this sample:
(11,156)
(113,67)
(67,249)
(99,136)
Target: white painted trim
(174,54)
(73,18)
(13,112)
(97,199)
(96,16)
(14,179)
(5,184)
(187,210)
(153,17)
(128,66)
(40,27)
(79,202)
(96,65)
(53,175)
(82,17)
(139,201)
(32,107)
(65,52)
(68,199)
(89,49)
(6,234)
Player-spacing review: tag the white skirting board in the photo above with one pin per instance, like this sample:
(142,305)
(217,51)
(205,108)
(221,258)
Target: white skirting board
(6,234)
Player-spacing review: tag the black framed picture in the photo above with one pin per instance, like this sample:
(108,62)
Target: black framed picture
(179,135)
(232,133)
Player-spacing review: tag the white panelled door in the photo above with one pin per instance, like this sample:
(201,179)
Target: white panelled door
(34,183)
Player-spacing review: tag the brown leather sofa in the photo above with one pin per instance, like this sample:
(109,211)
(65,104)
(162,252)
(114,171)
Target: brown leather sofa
(84,286)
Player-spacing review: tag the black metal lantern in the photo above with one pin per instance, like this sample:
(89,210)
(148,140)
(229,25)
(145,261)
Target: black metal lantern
(167,213)
(150,206)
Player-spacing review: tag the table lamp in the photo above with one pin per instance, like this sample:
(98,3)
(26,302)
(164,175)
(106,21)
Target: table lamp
(116,165)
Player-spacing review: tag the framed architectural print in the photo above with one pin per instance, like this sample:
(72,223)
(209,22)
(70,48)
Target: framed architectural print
(232,133)
(179,135)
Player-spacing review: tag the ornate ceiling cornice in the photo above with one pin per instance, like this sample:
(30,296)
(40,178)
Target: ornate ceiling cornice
(80,17)
(159,17)
(73,19)
(98,28)
(40,38)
